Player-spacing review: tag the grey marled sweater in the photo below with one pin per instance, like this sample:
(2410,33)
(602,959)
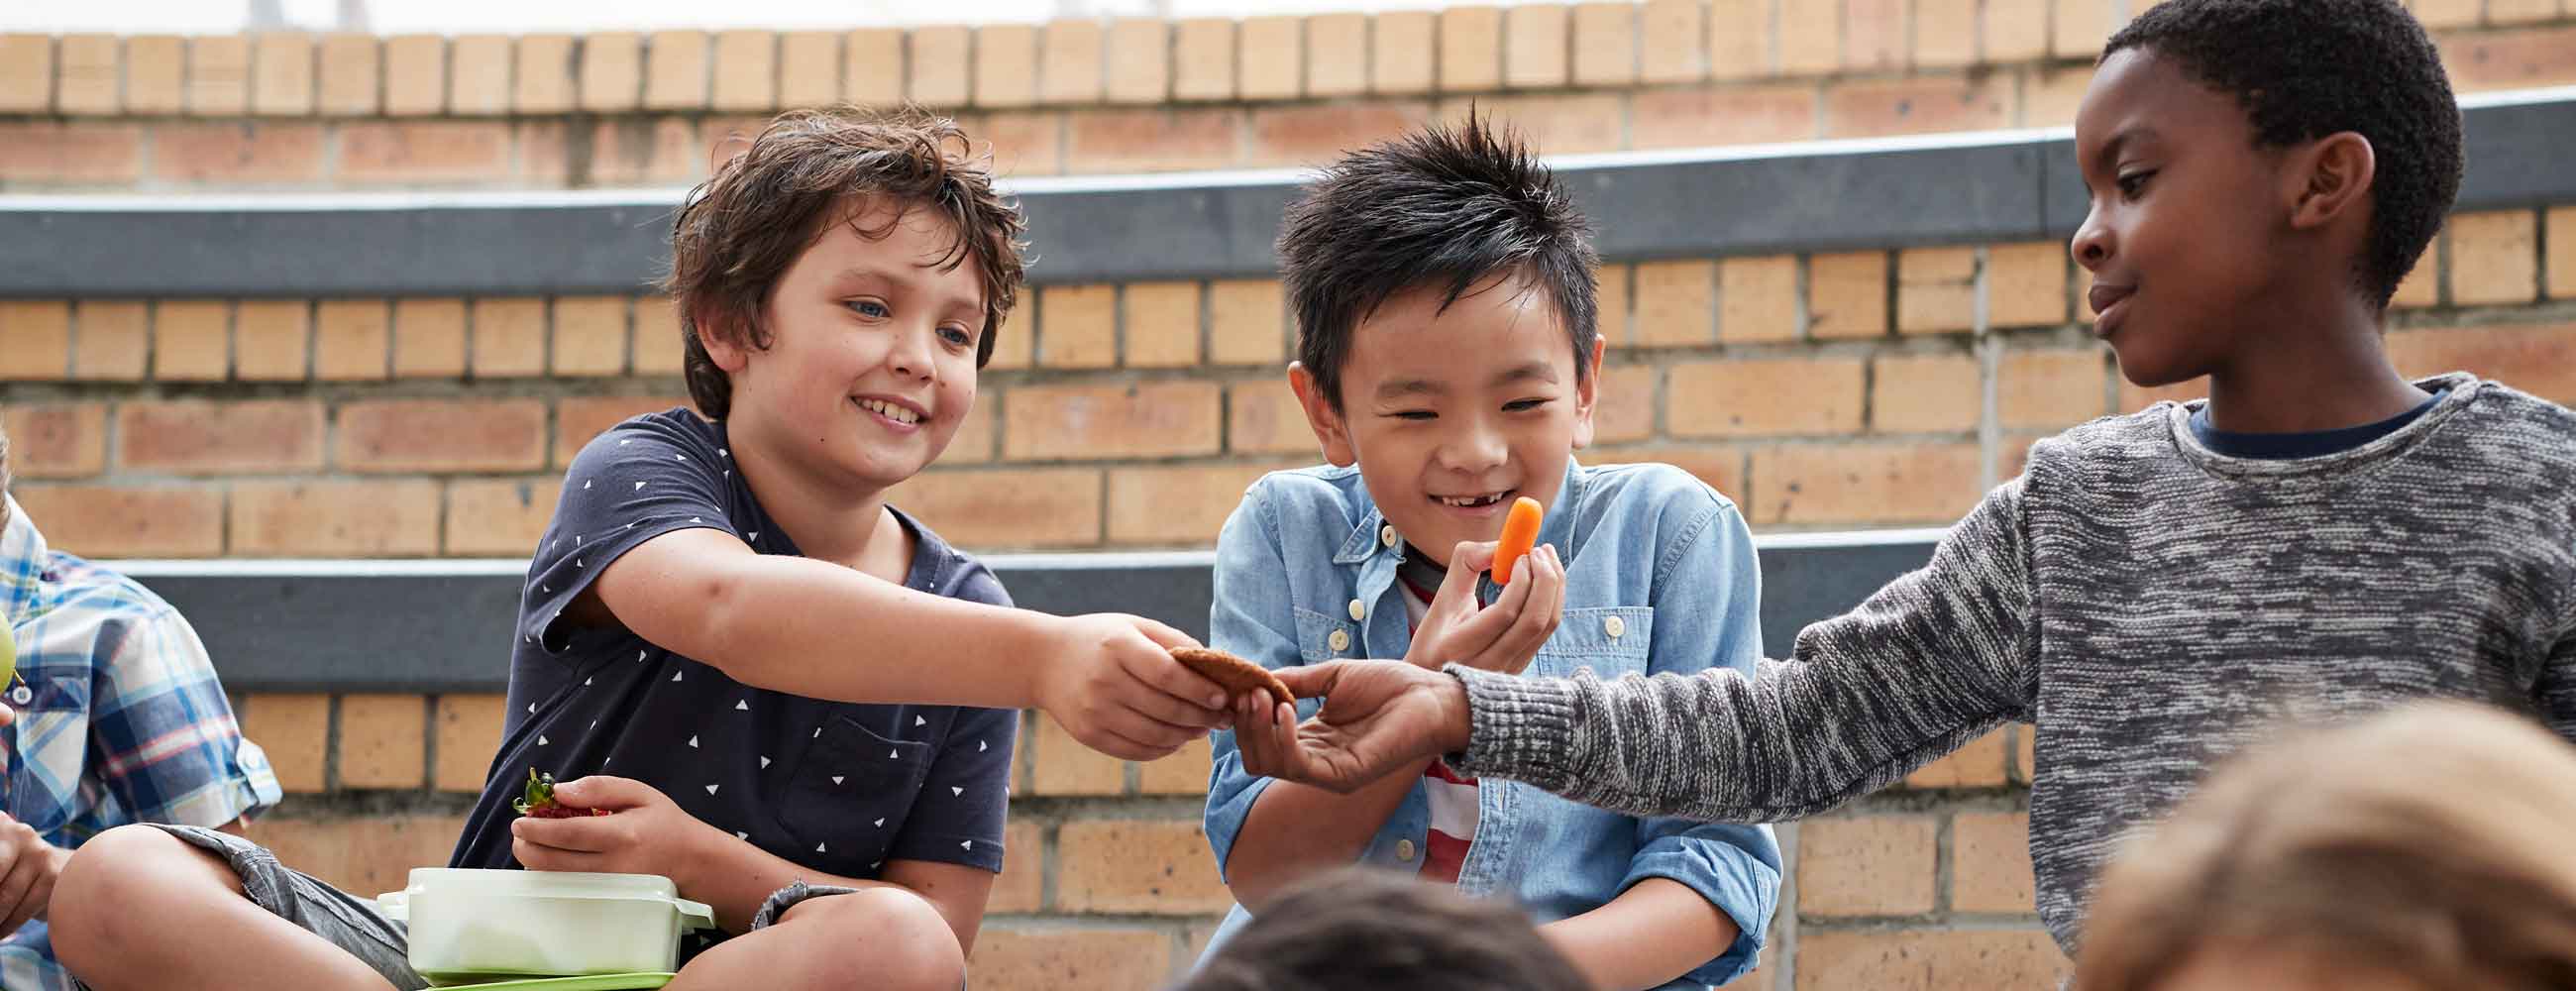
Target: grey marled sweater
(2150,605)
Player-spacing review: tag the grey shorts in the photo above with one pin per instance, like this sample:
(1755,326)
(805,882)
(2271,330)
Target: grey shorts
(353,923)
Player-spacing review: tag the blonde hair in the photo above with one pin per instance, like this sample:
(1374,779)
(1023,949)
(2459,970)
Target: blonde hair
(2436,841)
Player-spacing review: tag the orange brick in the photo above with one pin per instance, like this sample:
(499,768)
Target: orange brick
(1270,58)
(478,78)
(1534,46)
(675,70)
(1315,133)
(1929,960)
(1264,417)
(362,519)
(113,341)
(26,73)
(1980,764)
(441,435)
(544,74)
(87,79)
(218,75)
(1021,886)
(975,438)
(1758,300)
(498,517)
(360,854)
(1873,34)
(191,340)
(2421,289)
(1673,42)
(238,153)
(1740,38)
(2438,14)
(579,420)
(1183,506)
(509,338)
(1337,55)
(746,71)
(429,338)
(2015,30)
(1815,484)
(1014,346)
(1945,33)
(197,437)
(1160,322)
(1471,49)
(115,521)
(1247,322)
(1936,289)
(872,67)
(270,339)
(55,440)
(1145,420)
(281,75)
(1720,466)
(1117,956)
(351,84)
(590,335)
(988,510)
(1692,118)
(1203,59)
(351,339)
(383,741)
(1153,140)
(1918,105)
(658,349)
(415,75)
(1866,865)
(89,154)
(1990,863)
(1767,396)
(1137,866)
(645,150)
(1926,394)
(2495,258)
(1562,124)
(2080,27)
(424,151)
(2562,253)
(2049,390)
(1811,41)
(154,67)
(938,69)
(1077,326)
(2026,284)
(469,732)
(2540,360)
(1402,45)
(2026,753)
(1612,301)
(1140,67)
(1605,44)
(35,339)
(612,71)
(1069,62)
(1847,295)
(1676,303)
(1023,143)
(1624,407)
(1006,65)
(1183,773)
(809,68)
(2521,11)
(296,732)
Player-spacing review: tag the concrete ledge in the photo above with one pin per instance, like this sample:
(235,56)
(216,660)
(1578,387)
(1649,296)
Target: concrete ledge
(1810,196)
(445,626)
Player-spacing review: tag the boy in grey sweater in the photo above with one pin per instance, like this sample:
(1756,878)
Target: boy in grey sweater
(2321,537)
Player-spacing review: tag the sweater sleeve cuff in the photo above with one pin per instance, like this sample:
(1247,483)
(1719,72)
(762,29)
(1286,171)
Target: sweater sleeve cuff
(1518,728)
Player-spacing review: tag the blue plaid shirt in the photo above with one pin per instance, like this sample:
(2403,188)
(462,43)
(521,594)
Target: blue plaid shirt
(120,720)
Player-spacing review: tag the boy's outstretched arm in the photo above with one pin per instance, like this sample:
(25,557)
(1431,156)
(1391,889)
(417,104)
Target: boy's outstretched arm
(1925,665)
(821,630)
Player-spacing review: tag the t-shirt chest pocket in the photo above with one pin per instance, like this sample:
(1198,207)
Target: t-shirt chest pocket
(849,796)
(1611,640)
(1323,638)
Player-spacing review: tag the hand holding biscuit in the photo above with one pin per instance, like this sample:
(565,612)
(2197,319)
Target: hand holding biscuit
(1114,685)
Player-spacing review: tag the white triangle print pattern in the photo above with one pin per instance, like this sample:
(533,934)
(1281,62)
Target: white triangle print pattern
(836,779)
(711,789)
(693,743)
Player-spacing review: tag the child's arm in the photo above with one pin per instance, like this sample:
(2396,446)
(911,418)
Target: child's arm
(1652,933)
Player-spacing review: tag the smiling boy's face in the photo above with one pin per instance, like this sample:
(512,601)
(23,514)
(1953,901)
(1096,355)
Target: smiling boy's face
(1452,412)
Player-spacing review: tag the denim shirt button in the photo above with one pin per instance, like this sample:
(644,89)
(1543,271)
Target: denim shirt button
(1339,641)
(1613,626)
(1386,535)
(1359,610)
(1404,850)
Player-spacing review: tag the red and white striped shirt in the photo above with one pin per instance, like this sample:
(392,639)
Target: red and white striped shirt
(1452,795)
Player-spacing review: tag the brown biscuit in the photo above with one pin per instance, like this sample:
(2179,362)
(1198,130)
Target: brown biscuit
(1236,674)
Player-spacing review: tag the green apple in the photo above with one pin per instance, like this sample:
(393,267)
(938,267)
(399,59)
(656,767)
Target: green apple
(8,655)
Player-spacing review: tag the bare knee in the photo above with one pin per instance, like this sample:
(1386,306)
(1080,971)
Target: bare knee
(107,889)
(894,937)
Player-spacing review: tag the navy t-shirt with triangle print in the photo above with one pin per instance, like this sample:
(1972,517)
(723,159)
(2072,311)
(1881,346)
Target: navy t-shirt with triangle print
(837,787)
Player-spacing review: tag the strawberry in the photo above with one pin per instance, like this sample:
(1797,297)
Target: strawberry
(538,800)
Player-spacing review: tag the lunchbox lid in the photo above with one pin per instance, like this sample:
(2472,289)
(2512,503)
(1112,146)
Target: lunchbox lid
(550,885)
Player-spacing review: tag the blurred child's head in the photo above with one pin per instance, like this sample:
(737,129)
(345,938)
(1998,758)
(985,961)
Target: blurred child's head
(838,285)
(1446,343)
(2424,849)
(2250,161)
(1361,929)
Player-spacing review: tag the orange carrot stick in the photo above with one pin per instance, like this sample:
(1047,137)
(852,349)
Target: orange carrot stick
(1520,533)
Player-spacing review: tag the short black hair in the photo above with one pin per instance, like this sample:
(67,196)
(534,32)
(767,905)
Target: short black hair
(2305,69)
(1452,206)
(1370,929)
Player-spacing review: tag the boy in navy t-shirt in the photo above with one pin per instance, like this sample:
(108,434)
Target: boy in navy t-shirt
(709,586)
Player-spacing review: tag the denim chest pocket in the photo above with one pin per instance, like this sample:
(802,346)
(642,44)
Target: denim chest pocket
(1324,638)
(1611,640)
(850,796)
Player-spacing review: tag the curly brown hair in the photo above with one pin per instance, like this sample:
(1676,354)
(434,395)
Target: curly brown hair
(739,231)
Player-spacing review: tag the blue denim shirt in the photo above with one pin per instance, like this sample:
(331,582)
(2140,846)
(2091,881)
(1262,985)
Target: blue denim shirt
(1659,577)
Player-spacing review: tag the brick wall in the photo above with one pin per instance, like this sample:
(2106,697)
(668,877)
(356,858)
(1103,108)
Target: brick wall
(1829,390)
